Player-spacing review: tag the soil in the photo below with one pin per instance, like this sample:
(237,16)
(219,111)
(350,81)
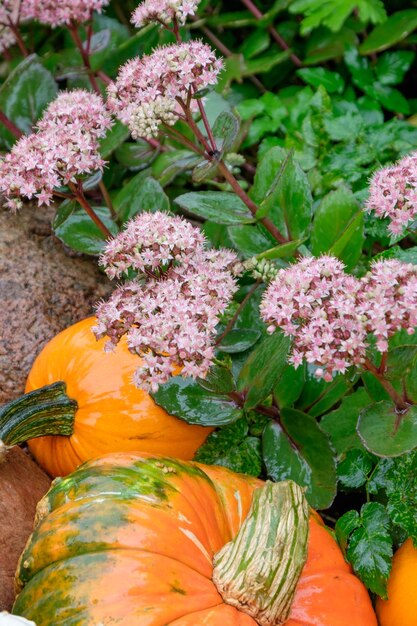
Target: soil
(42,291)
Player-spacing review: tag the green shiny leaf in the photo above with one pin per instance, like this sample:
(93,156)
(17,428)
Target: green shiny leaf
(316,76)
(299,450)
(80,233)
(391,67)
(225,130)
(394,29)
(114,138)
(341,423)
(239,340)
(289,386)
(231,447)
(219,380)
(370,548)
(218,206)
(331,218)
(141,193)
(24,95)
(386,432)
(248,240)
(355,468)
(185,398)
(263,368)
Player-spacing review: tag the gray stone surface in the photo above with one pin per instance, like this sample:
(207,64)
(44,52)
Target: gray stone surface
(42,291)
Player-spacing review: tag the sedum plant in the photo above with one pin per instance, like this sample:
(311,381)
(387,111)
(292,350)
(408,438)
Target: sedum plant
(270,293)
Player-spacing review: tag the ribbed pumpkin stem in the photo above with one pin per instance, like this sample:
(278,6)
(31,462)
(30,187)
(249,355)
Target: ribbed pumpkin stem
(45,411)
(258,570)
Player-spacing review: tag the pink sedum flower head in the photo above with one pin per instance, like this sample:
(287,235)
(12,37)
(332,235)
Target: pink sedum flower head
(10,12)
(147,90)
(393,194)
(170,315)
(77,109)
(151,243)
(64,148)
(316,302)
(389,300)
(61,12)
(163,12)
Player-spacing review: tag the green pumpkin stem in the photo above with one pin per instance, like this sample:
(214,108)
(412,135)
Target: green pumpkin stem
(45,411)
(258,571)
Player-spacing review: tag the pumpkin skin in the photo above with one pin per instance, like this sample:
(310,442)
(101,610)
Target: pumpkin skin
(401,607)
(113,415)
(129,539)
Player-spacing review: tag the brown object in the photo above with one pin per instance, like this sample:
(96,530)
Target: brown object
(42,291)
(22,485)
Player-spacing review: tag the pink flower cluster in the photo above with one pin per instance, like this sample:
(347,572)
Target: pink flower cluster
(151,244)
(316,302)
(330,313)
(65,147)
(393,194)
(9,13)
(147,89)
(163,11)
(60,12)
(389,299)
(169,312)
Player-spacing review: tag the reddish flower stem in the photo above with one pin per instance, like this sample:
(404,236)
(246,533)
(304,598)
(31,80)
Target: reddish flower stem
(82,201)
(10,125)
(397,398)
(107,199)
(73,29)
(19,40)
(274,33)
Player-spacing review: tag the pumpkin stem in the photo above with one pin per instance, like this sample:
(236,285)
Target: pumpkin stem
(45,411)
(258,570)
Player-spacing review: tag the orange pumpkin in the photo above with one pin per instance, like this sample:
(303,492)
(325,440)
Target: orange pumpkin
(138,540)
(109,413)
(401,607)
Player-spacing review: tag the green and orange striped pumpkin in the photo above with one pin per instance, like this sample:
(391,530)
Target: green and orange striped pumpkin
(140,540)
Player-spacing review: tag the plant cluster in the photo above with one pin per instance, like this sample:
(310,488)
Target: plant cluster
(255,189)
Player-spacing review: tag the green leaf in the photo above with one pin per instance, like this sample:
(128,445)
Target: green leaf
(288,201)
(79,232)
(359,67)
(400,361)
(341,423)
(64,210)
(370,548)
(333,13)
(263,368)
(142,193)
(266,173)
(249,240)
(282,251)
(226,129)
(186,399)
(386,432)
(257,42)
(349,245)
(331,218)
(114,139)
(239,340)
(231,447)
(401,489)
(298,450)
(394,29)
(353,471)
(289,386)
(345,525)
(135,156)
(218,206)
(24,95)
(392,66)
(390,98)
(219,380)
(168,165)
(316,76)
